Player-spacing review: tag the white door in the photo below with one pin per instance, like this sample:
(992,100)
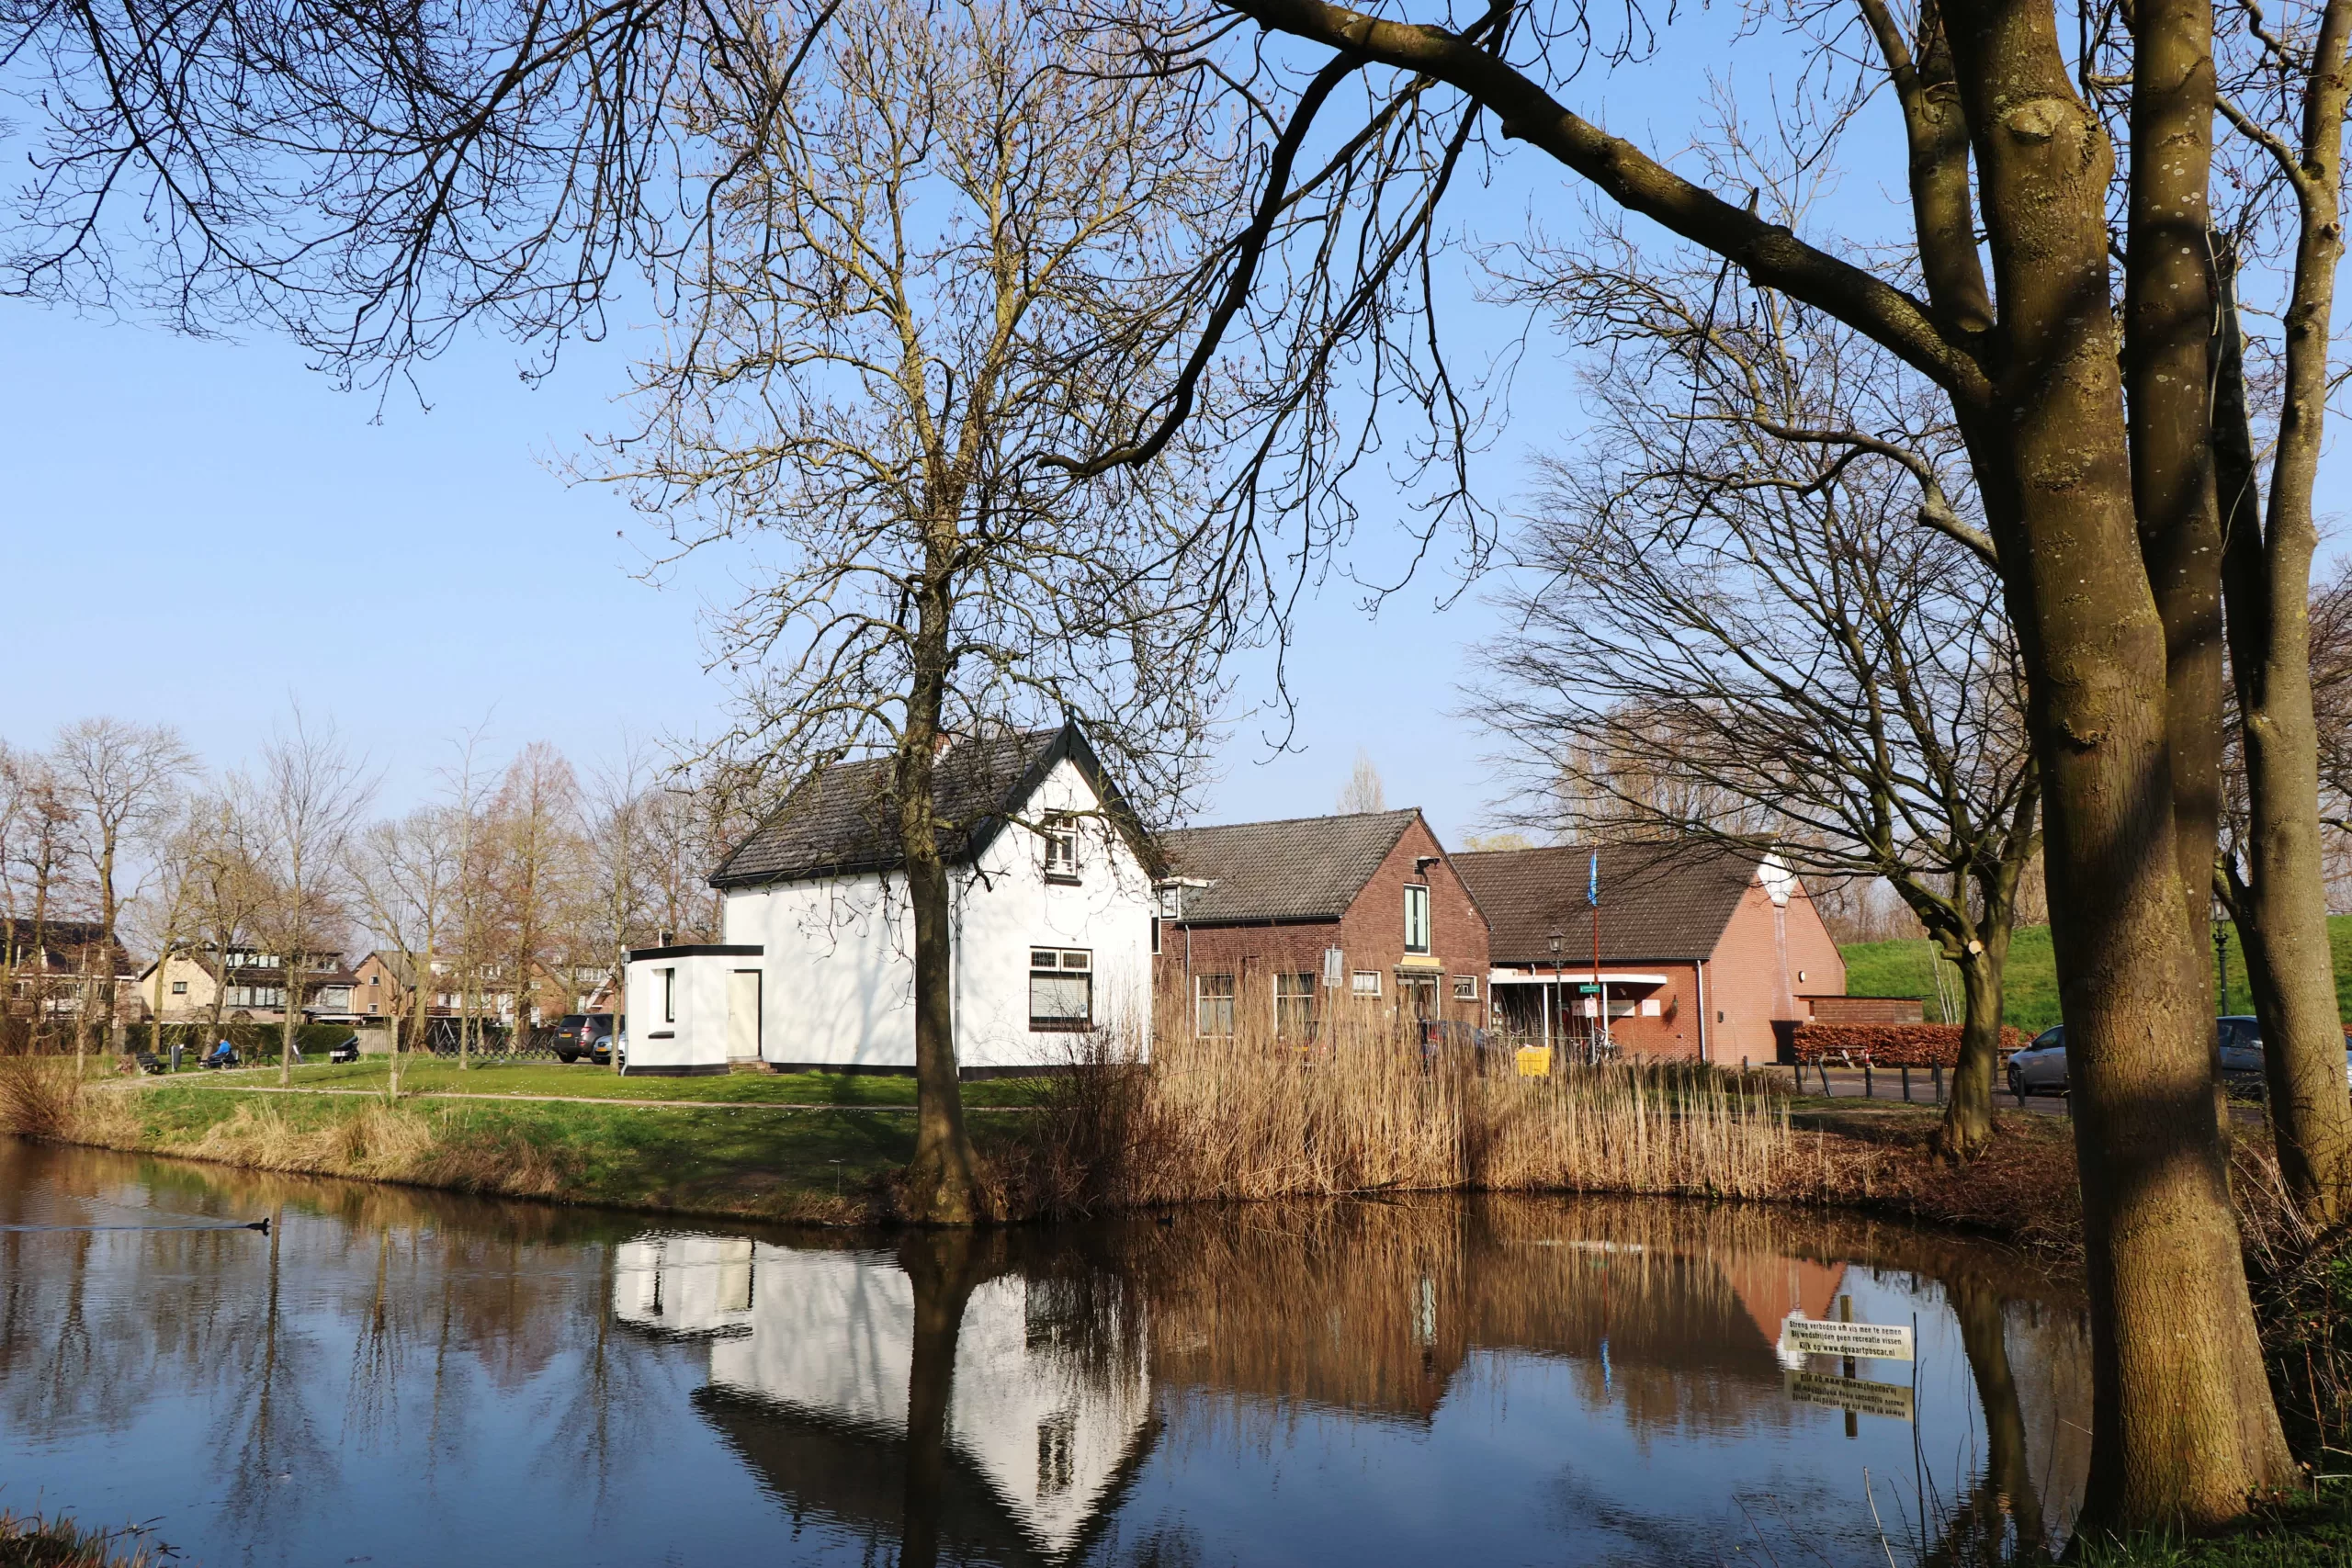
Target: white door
(743,1015)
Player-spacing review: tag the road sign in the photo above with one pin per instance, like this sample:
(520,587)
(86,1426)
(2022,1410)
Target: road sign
(1872,1341)
(1588,988)
(1858,1395)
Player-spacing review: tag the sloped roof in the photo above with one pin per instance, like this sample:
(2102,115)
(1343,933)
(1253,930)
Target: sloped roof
(1304,868)
(842,820)
(1665,900)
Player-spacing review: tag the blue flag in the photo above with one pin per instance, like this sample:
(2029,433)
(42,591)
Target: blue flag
(1592,882)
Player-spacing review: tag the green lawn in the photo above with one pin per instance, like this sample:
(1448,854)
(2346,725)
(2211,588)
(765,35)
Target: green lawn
(581,1079)
(1904,969)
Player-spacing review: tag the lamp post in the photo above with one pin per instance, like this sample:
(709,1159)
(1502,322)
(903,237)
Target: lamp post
(1553,995)
(2221,969)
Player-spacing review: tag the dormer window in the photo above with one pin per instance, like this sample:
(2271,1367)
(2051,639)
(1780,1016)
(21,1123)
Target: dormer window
(1061,852)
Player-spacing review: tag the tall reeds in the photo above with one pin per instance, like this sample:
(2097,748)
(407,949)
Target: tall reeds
(1363,1108)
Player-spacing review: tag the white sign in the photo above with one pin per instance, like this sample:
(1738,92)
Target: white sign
(1802,1335)
(1850,1393)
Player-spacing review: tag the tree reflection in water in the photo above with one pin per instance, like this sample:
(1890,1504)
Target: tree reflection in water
(1588,1380)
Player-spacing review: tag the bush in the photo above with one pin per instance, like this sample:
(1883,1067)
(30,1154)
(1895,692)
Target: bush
(255,1042)
(1890,1044)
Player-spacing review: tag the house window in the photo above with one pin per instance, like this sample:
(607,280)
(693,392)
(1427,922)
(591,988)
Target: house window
(669,995)
(1155,935)
(1061,853)
(1294,1007)
(1465,987)
(1214,1004)
(1061,988)
(1365,983)
(179,988)
(1416,917)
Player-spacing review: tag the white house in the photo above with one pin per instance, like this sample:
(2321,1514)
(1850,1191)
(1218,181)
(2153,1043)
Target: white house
(812,1358)
(1050,924)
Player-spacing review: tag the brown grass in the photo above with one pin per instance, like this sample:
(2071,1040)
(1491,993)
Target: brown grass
(1251,1117)
(39,1096)
(29,1540)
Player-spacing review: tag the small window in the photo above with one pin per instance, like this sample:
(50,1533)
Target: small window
(1061,854)
(1155,935)
(1213,1004)
(669,995)
(1365,983)
(179,988)
(1294,1007)
(1465,987)
(1416,917)
(1061,990)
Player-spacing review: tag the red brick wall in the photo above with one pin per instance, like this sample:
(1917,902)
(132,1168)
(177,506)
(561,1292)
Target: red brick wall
(1753,975)
(1372,933)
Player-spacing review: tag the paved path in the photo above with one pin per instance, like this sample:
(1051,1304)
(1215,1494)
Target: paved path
(514,1096)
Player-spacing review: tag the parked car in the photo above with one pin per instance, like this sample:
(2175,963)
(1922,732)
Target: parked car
(2041,1068)
(588,1034)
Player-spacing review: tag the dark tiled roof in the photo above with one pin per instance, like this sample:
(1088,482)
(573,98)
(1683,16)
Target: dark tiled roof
(1308,868)
(842,820)
(1665,900)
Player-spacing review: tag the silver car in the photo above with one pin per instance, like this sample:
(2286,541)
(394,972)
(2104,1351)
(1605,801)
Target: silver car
(2041,1068)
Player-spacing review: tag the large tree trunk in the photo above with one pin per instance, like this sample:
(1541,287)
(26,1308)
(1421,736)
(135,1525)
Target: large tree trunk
(2282,909)
(2184,1426)
(940,1186)
(1967,1129)
(943,1272)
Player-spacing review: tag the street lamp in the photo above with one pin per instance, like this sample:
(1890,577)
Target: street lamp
(1555,997)
(2221,969)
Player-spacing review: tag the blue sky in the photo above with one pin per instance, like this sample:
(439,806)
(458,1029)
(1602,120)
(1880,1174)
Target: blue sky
(198,530)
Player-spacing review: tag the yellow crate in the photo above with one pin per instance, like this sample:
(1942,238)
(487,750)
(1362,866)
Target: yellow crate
(1535,1061)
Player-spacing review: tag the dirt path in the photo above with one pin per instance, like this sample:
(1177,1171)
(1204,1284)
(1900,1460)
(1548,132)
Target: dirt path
(516,1096)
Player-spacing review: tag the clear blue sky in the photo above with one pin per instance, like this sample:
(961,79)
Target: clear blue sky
(197,530)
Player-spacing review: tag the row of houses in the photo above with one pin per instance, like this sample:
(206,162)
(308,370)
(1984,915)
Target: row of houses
(1067,920)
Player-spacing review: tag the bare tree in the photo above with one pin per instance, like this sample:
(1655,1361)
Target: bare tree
(39,886)
(1752,641)
(967,242)
(306,802)
(407,872)
(534,847)
(620,846)
(1362,792)
(122,779)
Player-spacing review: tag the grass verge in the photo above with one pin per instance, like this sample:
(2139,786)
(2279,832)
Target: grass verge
(2307,1534)
(29,1540)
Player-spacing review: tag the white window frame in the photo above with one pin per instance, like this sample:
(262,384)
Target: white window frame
(1304,997)
(1416,907)
(1060,852)
(670,996)
(1357,985)
(1061,965)
(1465,987)
(1225,998)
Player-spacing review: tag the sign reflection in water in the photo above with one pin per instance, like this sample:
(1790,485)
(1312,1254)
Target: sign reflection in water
(403,1376)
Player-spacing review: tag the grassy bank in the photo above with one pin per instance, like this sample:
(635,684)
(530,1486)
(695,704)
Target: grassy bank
(2031,1002)
(31,1540)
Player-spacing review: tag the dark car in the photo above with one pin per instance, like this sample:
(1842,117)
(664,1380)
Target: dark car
(588,1034)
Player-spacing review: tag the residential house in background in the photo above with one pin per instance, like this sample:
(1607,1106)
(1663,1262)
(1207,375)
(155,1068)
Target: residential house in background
(1267,924)
(1051,912)
(384,986)
(1702,949)
(54,972)
(182,985)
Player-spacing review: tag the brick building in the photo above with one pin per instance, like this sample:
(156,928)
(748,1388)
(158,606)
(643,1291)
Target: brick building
(1268,923)
(1701,948)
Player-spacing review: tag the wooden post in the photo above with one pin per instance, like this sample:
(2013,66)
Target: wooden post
(1906,1085)
(1868,1092)
(1938,1070)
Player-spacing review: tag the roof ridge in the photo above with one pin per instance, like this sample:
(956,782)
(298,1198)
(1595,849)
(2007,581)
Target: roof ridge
(1293,821)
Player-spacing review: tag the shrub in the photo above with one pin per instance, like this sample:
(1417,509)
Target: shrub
(1890,1044)
(37,1096)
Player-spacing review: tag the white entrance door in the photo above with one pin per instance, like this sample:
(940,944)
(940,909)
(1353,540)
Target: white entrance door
(743,1015)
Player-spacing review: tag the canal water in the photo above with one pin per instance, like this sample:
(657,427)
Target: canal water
(396,1377)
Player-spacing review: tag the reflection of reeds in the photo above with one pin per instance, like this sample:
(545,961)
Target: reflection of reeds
(1363,1109)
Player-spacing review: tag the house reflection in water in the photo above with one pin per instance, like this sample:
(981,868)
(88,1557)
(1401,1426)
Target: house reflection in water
(815,1360)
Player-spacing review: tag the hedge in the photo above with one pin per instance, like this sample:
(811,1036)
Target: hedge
(1891,1044)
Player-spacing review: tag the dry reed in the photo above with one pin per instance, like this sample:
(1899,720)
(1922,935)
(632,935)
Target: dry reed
(39,1096)
(29,1540)
(1364,1110)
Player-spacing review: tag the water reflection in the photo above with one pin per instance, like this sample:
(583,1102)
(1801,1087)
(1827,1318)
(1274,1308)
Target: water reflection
(405,1377)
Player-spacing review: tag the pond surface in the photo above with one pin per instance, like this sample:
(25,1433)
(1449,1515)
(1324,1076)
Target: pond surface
(395,1377)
